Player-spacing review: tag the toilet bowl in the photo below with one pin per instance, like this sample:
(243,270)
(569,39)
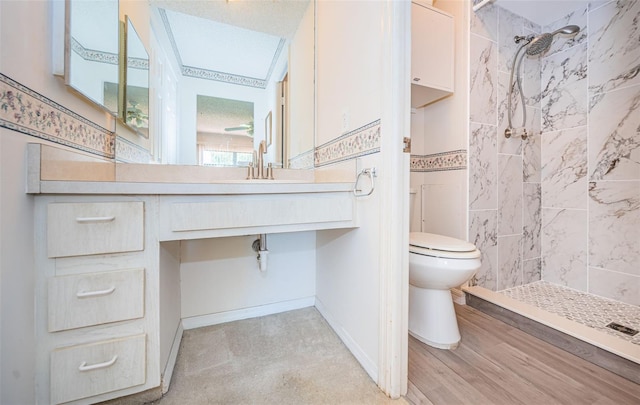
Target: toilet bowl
(437,263)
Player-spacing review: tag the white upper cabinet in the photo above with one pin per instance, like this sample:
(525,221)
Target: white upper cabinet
(432,49)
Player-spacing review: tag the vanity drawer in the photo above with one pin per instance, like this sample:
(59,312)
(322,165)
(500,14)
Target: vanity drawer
(87,370)
(75,229)
(95,298)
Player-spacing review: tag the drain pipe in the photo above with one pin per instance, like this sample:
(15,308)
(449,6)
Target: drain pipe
(260,246)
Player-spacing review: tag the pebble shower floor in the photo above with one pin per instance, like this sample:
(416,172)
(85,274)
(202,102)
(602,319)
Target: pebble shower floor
(587,309)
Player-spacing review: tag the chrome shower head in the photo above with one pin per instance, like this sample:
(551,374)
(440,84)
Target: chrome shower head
(542,42)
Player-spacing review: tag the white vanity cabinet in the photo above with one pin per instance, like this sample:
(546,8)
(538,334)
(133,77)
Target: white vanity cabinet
(432,54)
(96,298)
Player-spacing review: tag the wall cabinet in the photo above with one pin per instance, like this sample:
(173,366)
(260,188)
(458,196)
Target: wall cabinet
(432,54)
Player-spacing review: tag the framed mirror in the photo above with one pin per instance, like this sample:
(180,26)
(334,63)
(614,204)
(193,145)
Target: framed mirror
(92,51)
(134,103)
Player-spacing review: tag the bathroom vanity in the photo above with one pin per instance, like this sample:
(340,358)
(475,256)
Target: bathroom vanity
(108,268)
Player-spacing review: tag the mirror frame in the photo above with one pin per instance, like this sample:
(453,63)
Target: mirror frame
(127,31)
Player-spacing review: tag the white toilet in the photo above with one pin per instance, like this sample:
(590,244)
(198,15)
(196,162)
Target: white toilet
(436,264)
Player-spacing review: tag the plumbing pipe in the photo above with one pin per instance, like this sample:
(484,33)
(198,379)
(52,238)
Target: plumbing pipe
(260,245)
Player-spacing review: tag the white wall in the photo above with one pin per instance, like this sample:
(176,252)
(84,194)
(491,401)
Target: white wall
(221,275)
(441,127)
(349,76)
(25,56)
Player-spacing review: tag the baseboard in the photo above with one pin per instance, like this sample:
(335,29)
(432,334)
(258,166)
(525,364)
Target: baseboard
(171,361)
(367,364)
(246,313)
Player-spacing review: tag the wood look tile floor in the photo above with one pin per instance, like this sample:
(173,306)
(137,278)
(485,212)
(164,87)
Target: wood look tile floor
(498,364)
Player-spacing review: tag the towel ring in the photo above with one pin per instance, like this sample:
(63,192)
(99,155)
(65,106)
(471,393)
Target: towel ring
(371,172)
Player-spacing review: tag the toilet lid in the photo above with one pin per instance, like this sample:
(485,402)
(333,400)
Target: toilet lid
(441,246)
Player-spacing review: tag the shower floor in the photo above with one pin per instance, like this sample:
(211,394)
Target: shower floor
(588,309)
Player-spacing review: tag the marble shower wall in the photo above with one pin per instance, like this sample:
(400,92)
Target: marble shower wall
(504,174)
(580,200)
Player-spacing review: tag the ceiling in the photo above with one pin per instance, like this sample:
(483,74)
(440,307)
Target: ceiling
(235,41)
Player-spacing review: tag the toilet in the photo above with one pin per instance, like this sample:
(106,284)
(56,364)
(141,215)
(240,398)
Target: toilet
(437,263)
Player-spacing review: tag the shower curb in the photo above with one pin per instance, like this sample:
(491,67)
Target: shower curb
(586,351)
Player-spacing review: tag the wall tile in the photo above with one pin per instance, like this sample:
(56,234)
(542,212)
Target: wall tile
(562,42)
(564,89)
(614,225)
(483,167)
(509,25)
(509,261)
(484,22)
(614,54)
(509,195)
(564,247)
(564,168)
(511,145)
(613,285)
(614,135)
(532,217)
(531,155)
(484,80)
(483,232)
(531,270)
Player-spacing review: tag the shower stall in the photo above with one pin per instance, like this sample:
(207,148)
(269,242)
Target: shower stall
(554,166)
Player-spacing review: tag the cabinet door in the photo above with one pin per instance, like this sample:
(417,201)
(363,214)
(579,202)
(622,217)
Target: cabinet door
(432,47)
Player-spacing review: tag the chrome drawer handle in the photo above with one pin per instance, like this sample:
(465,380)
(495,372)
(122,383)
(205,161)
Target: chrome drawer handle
(95,219)
(84,367)
(89,294)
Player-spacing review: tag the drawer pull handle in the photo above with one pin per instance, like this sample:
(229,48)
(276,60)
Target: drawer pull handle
(83,220)
(90,294)
(84,367)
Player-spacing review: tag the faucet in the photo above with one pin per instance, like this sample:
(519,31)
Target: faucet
(262,149)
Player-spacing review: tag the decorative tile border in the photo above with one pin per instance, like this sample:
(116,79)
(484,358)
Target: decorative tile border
(129,152)
(29,112)
(93,55)
(359,142)
(302,161)
(451,160)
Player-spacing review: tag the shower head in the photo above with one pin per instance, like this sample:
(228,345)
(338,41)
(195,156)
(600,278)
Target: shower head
(542,42)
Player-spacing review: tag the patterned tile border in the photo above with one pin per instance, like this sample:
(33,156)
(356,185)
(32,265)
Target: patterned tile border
(302,161)
(129,152)
(29,112)
(588,309)
(451,160)
(359,142)
(93,55)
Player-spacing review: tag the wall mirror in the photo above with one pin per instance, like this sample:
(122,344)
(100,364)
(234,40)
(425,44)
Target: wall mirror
(91,51)
(134,108)
(256,56)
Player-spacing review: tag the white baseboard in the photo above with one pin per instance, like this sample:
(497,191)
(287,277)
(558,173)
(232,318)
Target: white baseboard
(246,313)
(367,364)
(171,361)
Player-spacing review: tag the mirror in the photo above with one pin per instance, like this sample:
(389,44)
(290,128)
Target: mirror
(91,51)
(255,56)
(134,110)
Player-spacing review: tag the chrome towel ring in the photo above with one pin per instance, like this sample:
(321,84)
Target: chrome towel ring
(371,172)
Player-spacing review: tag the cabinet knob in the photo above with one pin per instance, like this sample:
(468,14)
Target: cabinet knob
(416,79)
